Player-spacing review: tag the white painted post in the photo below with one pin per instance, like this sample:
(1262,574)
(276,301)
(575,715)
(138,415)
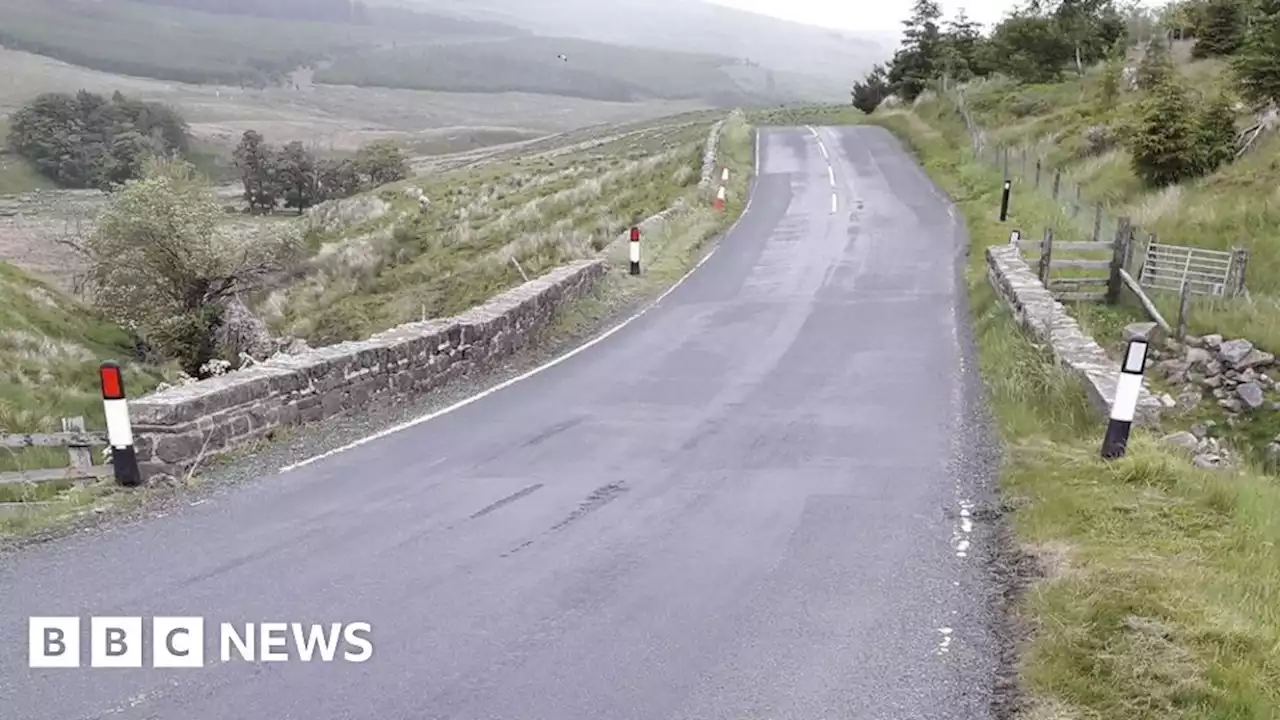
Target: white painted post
(1125,404)
(124,460)
(635,251)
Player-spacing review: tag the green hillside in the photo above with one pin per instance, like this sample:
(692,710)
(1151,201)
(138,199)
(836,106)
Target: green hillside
(588,69)
(396,49)
(132,38)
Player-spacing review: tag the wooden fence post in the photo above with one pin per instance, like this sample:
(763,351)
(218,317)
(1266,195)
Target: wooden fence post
(81,457)
(1006,163)
(1075,207)
(1046,257)
(1024,164)
(1037,173)
(1119,250)
(1184,309)
(1097,222)
(1239,262)
(1057,183)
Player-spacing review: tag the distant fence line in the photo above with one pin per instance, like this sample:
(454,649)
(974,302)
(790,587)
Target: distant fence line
(1088,237)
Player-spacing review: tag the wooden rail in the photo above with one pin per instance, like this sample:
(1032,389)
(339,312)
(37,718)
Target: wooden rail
(79,444)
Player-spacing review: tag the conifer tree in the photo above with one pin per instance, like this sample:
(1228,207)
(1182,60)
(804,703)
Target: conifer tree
(1156,65)
(1165,142)
(919,59)
(1221,29)
(1257,65)
(1217,134)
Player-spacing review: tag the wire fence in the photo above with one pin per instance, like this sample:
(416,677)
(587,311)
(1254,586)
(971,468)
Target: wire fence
(1158,266)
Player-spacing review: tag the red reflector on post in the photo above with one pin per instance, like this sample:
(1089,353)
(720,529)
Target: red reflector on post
(112,382)
(635,234)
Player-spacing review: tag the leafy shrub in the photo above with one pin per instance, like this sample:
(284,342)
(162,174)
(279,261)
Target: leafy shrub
(88,141)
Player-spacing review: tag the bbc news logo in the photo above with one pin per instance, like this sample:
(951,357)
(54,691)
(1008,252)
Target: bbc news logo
(179,642)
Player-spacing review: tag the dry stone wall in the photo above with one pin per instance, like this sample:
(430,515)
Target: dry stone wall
(709,154)
(1047,320)
(175,427)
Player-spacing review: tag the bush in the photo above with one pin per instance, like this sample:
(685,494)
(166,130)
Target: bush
(382,162)
(160,267)
(1171,143)
(1217,125)
(88,141)
(1221,29)
(189,338)
(1156,66)
(1164,142)
(1257,66)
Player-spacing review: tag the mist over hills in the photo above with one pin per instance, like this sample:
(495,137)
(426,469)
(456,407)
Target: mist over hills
(620,51)
(827,57)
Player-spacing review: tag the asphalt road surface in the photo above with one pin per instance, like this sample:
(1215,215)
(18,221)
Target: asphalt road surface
(751,503)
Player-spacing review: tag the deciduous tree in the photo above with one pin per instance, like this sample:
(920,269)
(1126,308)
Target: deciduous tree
(256,162)
(298,176)
(382,162)
(160,266)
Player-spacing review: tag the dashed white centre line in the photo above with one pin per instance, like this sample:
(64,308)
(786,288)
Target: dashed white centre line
(831,174)
(834,204)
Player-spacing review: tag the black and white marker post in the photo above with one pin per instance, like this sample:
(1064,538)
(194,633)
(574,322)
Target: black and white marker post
(635,251)
(119,431)
(1128,388)
(1015,237)
(1004,200)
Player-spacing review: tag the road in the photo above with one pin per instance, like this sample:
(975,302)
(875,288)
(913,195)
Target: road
(749,503)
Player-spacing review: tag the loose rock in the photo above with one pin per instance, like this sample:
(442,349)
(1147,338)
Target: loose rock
(1182,441)
(1233,352)
(1207,462)
(1198,358)
(1251,394)
(1147,331)
(1256,359)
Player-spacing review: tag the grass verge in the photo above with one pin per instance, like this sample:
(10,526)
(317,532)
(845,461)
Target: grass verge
(487,227)
(1158,582)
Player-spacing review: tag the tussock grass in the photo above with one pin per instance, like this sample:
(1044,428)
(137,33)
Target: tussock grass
(538,210)
(808,115)
(1159,587)
(542,209)
(672,249)
(50,350)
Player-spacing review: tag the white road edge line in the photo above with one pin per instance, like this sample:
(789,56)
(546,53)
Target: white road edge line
(545,366)
(506,383)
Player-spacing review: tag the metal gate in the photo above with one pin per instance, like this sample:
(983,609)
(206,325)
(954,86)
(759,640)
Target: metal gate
(1206,272)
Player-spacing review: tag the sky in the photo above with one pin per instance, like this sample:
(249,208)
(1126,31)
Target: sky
(874,15)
